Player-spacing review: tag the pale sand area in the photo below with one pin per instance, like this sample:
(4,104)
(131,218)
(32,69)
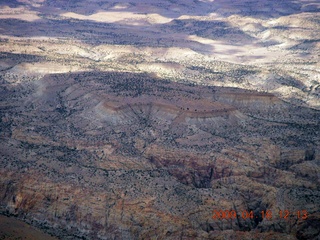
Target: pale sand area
(18,13)
(42,68)
(124,17)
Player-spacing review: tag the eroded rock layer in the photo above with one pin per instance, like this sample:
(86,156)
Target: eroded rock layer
(88,155)
(152,119)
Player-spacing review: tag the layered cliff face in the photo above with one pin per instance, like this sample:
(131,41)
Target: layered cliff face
(87,156)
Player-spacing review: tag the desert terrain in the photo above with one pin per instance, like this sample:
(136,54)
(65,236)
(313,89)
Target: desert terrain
(160,120)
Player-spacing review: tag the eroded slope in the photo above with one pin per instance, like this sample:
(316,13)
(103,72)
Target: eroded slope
(89,155)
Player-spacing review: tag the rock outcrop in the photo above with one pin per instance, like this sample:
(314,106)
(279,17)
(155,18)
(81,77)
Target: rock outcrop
(82,159)
(161,119)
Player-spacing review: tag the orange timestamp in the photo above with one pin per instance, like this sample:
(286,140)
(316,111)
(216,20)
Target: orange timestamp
(265,214)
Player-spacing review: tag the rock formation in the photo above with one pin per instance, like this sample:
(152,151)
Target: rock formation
(161,119)
(82,159)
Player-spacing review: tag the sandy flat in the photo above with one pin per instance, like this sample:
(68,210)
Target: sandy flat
(128,17)
(18,13)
